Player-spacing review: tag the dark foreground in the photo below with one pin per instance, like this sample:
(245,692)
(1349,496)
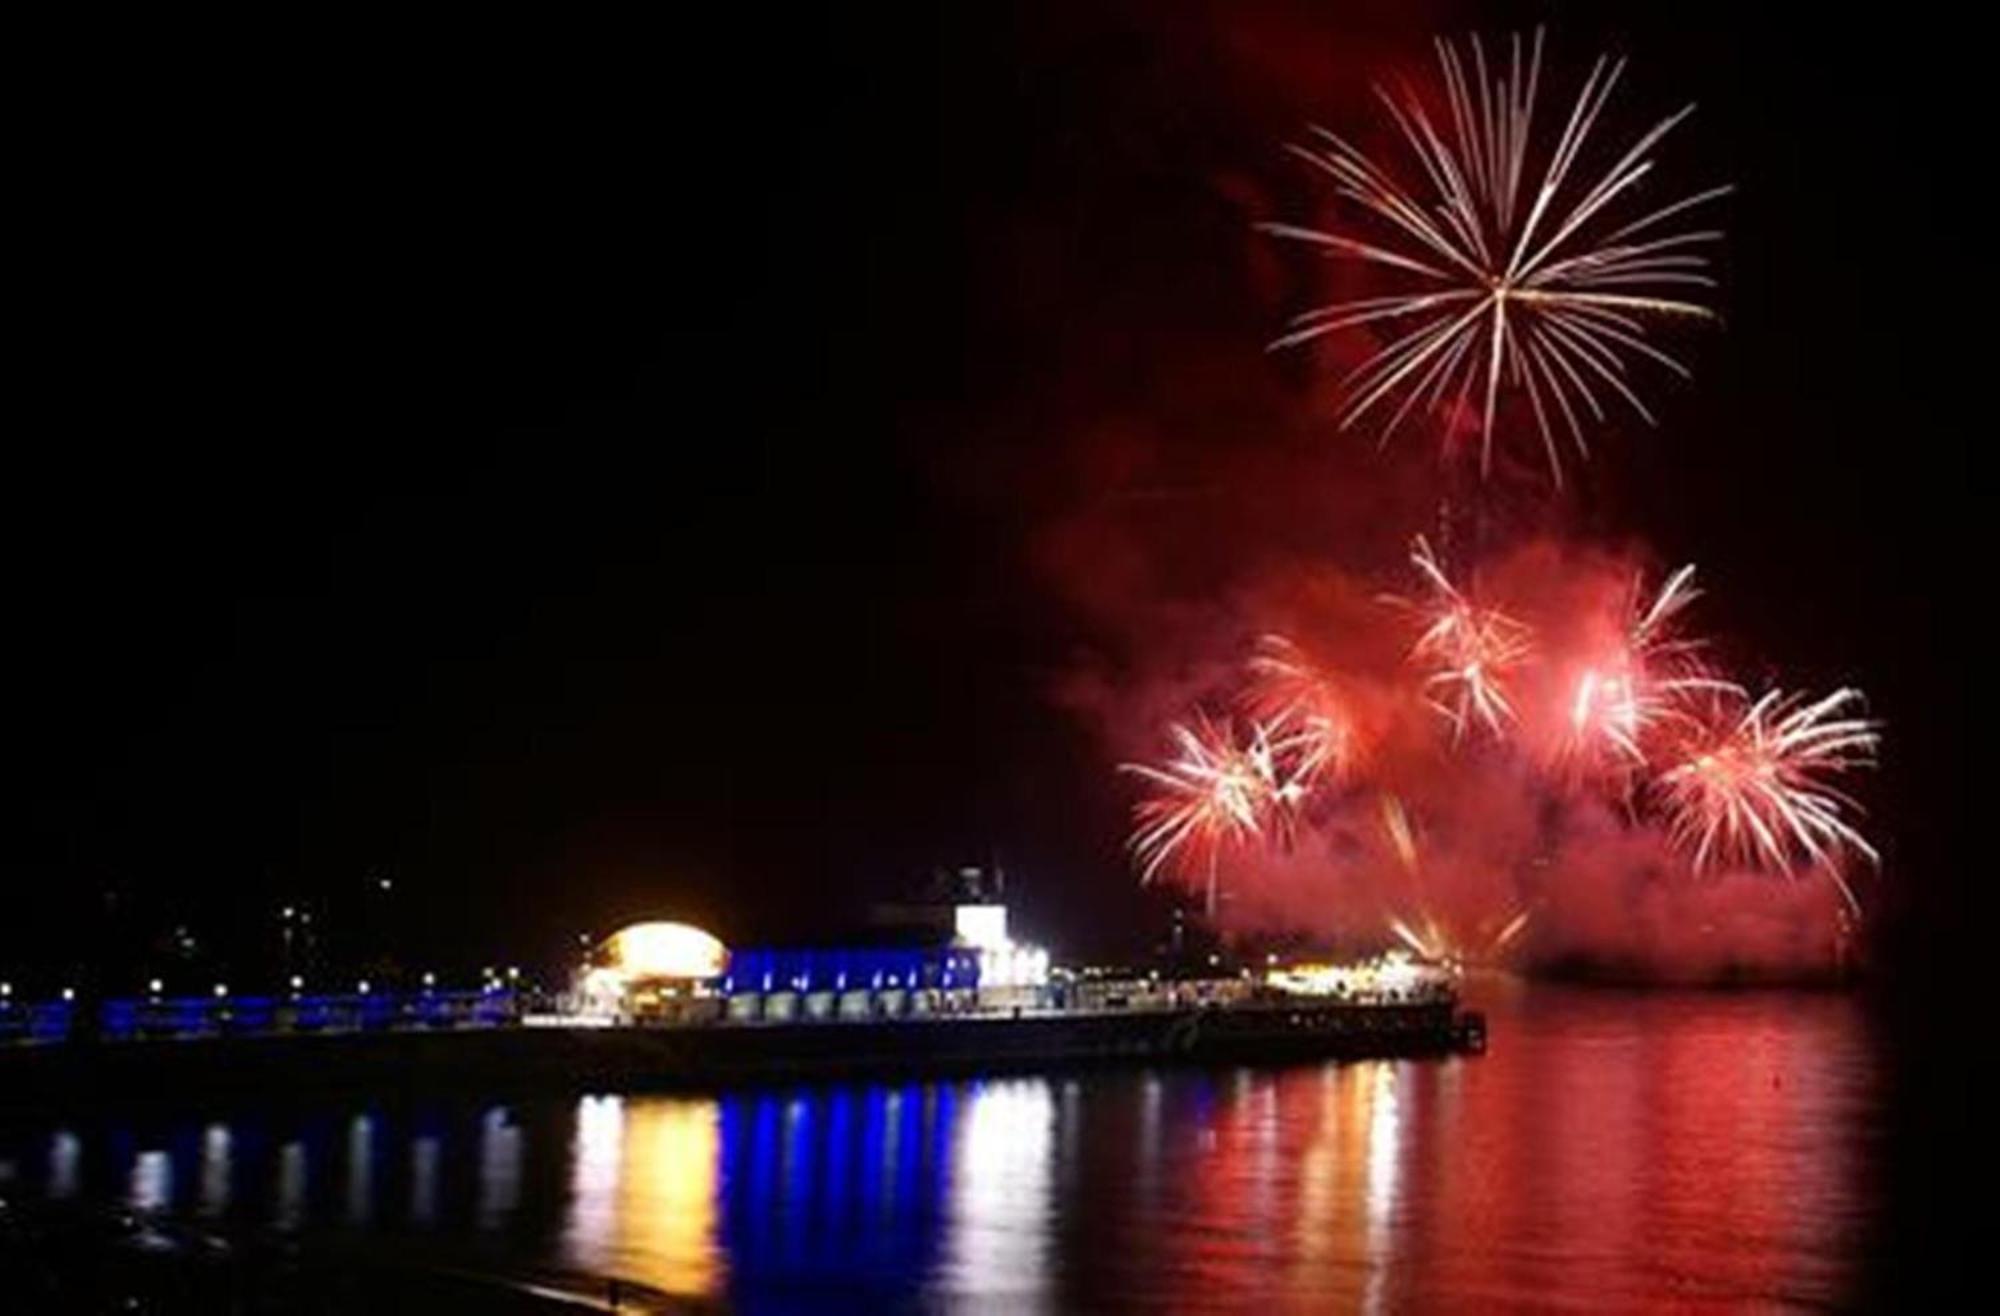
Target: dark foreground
(1611,1151)
(108,1260)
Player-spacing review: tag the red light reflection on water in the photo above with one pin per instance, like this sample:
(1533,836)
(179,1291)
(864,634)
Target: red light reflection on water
(1611,1151)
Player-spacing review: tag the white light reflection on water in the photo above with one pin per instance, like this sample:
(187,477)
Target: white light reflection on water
(1385,1150)
(290,1207)
(1000,1212)
(65,1155)
(360,1169)
(215,1163)
(152,1187)
(499,1168)
(591,1225)
(1270,1170)
(423,1180)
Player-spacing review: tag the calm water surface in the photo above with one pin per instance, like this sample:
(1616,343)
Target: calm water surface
(1610,1151)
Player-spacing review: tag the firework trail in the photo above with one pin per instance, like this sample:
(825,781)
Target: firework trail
(1213,794)
(1752,787)
(1650,638)
(1466,651)
(1426,938)
(1425,932)
(1396,822)
(1516,284)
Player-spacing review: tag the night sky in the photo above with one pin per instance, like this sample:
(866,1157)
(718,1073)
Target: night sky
(590,474)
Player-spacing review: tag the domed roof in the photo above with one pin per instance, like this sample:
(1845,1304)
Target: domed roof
(666,950)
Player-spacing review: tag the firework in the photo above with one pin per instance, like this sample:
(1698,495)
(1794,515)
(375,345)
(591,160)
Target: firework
(1396,822)
(1425,931)
(1650,636)
(1753,786)
(1434,941)
(1618,701)
(1303,706)
(1534,288)
(1212,795)
(1466,650)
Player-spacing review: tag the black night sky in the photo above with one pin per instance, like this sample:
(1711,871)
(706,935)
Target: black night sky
(593,473)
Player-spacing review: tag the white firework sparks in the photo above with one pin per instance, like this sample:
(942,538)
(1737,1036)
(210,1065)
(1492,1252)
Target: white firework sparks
(1629,693)
(1753,788)
(1467,651)
(1214,794)
(1519,285)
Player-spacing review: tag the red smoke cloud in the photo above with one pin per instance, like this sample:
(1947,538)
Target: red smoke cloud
(1520,846)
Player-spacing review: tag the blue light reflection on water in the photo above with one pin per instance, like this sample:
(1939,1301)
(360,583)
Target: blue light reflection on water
(1605,1153)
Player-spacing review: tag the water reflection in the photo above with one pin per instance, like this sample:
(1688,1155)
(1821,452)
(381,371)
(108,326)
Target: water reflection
(152,1182)
(1384,1130)
(1609,1152)
(642,1196)
(999,1211)
(215,1144)
(499,1168)
(291,1198)
(65,1153)
(360,1168)
(424,1180)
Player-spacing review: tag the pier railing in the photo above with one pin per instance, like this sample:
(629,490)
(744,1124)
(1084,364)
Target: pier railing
(135,1018)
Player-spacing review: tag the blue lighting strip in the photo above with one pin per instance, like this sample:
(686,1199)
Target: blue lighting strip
(126,1018)
(849,969)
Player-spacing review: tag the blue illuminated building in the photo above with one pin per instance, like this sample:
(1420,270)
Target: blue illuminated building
(841,969)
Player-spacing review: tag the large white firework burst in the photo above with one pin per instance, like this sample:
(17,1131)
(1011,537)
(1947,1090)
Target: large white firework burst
(1518,285)
(1753,787)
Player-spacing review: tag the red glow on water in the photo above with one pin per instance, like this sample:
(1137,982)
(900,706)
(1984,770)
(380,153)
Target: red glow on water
(1616,1153)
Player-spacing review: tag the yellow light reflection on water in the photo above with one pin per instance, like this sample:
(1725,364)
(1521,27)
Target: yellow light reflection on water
(642,1193)
(1349,1183)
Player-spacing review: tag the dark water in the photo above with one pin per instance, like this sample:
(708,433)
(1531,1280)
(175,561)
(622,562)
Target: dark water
(1611,1151)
